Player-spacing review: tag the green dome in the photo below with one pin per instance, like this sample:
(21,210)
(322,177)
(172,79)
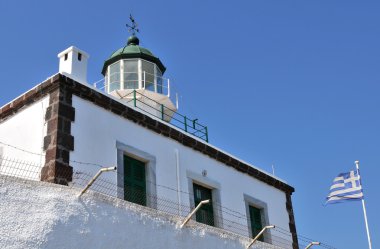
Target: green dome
(133,50)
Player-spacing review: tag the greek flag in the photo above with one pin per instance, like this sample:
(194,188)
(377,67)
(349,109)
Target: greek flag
(346,187)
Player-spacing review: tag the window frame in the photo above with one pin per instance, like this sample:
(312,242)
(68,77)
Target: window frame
(209,183)
(150,171)
(123,85)
(109,75)
(201,188)
(143,83)
(263,207)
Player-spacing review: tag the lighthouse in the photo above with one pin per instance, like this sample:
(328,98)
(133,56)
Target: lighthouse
(135,75)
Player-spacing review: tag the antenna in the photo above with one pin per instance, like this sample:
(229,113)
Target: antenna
(272,168)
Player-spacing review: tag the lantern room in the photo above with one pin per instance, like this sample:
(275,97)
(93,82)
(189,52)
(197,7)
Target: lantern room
(134,74)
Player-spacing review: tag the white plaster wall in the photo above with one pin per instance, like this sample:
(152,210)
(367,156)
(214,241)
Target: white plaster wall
(96,132)
(25,130)
(43,215)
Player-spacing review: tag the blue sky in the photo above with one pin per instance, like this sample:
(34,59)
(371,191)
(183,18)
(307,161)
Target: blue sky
(289,83)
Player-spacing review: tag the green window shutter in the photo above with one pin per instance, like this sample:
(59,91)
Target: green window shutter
(206,213)
(134,181)
(256,223)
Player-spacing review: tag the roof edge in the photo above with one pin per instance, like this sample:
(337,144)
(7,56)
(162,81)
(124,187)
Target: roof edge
(89,93)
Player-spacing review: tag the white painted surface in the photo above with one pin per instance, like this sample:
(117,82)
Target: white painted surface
(71,66)
(148,101)
(26,129)
(97,131)
(43,215)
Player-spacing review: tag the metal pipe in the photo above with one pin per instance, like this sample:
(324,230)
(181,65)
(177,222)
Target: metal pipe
(364,209)
(178,181)
(194,122)
(144,81)
(312,244)
(176,101)
(134,98)
(259,234)
(162,112)
(96,177)
(168,88)
(193,212)
(185,123)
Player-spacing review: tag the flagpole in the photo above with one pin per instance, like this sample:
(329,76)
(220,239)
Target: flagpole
(364,210)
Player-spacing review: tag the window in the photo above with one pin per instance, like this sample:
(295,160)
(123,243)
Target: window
(258,217)
(159,80)
(79,56)
(206,213)
(148,74)
(256,221)
(66,56)
(114,82)
(147,162)
(134,181)
(131,76)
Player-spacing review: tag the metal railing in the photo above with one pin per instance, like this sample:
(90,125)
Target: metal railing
(153,107)
(161,111)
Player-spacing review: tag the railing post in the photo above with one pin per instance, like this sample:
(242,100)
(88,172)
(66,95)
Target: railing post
(206,133)
(144,79)
(134,98)
(168,88)
(96,177)
(312,244)
(185,124)
(194,211)
(258,235)
(194,122)
(162,112)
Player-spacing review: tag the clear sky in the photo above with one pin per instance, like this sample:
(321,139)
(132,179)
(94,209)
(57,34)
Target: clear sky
(293,83)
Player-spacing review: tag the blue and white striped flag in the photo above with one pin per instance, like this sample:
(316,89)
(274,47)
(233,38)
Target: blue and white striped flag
(346,187)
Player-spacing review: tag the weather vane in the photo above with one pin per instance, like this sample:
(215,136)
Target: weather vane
(133,27)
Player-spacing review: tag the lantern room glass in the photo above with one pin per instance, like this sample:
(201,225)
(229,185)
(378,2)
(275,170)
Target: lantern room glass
(131,77)
(159,81)
(134,74)
(147,69)
(114,77)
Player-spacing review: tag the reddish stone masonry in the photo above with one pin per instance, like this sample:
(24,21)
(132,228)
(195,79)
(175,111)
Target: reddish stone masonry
(59,142)
(292,222)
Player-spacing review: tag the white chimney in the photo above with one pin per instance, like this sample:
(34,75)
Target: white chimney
(73,64)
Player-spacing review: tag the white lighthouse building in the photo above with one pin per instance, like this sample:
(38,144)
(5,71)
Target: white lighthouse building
(165,164)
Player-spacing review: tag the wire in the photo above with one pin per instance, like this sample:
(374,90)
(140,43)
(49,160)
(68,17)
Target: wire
(108,188)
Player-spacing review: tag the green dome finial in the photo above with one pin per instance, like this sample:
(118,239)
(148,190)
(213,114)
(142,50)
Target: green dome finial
(133,40)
